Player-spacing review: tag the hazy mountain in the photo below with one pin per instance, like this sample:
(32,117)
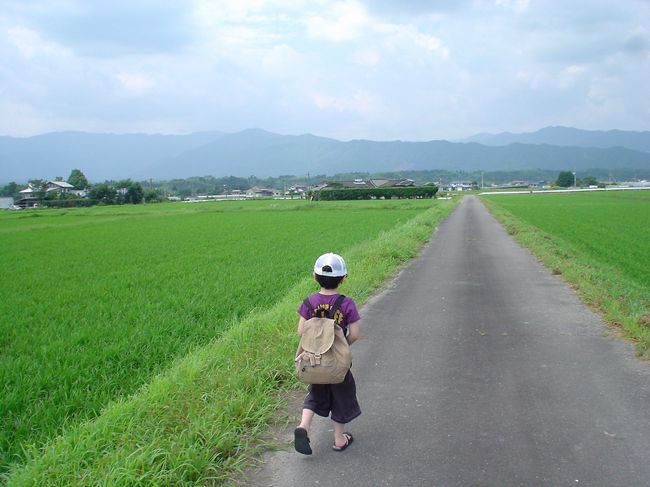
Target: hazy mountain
(263,154)
(99,156)
(566,136)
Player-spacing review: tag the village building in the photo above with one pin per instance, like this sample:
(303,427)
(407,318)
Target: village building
(459,186)
(27,197)
(392,183)
(356,183)
(297,189)
(367,184)
(256,192)
(58,186)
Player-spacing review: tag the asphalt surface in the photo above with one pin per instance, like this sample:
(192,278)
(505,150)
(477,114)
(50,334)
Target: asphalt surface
(481,368)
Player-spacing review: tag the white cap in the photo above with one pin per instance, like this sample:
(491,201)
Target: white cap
(334,261)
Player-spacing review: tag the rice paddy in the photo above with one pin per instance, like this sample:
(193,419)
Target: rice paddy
(613,228)
(97,302)
(597,241)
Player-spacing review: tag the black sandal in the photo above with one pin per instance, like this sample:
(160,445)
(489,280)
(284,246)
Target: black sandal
(301,441)
(348,441)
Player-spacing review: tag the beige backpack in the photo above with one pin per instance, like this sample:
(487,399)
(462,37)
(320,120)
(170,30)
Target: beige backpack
(323,356)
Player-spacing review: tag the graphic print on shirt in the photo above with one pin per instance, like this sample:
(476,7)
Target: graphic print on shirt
(323,310)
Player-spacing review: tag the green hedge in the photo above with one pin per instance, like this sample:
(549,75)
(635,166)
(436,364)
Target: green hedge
(378,193)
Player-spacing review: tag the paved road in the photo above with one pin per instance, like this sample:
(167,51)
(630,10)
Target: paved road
(480,368)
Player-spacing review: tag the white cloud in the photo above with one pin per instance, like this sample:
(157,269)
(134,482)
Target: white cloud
(367,57)
(220,10)
(30,43)
(597,94)
(134,83)
(25,120)
(571,75)
(282,61)
(242,21)
(518,6)
(359,102)
(350,68)
(345,21)
(408,36)
(350,21)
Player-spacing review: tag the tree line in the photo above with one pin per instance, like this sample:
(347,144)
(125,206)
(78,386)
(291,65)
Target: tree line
(124,191)
(567,179)
(127,191)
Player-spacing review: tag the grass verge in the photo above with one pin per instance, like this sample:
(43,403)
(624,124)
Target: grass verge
(202,420)
(623,303)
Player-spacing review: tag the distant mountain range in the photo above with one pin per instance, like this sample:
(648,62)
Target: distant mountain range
(260,153)
(566,136)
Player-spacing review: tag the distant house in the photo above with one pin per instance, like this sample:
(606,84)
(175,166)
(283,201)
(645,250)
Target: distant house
(58,186)
(367,184)
(298,188)
(319,186)
(538,184)
(459,186)
(519,184)
(392,183)
(634,184)
(27,198)
(357,183)
(256,192)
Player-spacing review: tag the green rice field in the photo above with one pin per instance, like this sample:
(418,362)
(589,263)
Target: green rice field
(98,301)
(599,241)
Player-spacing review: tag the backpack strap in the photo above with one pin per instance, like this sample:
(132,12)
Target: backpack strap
(310,308)
(332,311)
(336,306)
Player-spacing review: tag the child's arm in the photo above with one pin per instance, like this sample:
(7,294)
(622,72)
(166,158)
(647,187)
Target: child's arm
(301,322)
(353,332)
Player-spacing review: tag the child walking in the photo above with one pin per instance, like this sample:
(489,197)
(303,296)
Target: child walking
(337,400)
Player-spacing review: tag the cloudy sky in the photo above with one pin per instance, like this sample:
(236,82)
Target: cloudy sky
(380,69)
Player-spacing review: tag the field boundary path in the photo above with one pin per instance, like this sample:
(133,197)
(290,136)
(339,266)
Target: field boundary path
(481,368)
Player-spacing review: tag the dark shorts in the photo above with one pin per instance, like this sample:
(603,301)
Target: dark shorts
(338,399)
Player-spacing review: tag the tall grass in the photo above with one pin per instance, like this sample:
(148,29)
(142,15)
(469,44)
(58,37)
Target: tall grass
(197,420)
(597,242)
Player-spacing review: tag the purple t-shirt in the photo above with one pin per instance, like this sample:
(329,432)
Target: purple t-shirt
(348,308)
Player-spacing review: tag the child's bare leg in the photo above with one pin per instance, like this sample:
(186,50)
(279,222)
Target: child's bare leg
(305,420)
(301,433)
(339,439)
